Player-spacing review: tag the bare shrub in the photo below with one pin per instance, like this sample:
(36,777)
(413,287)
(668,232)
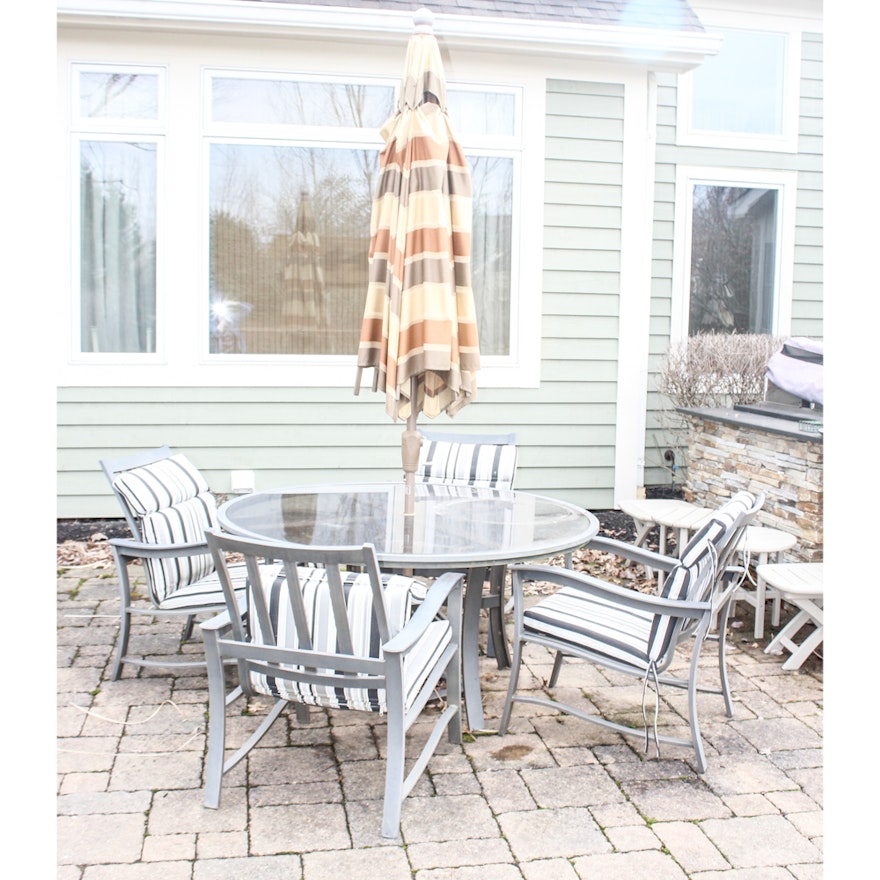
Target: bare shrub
(717,369)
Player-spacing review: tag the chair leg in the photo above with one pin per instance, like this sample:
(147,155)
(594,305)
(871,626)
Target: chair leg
(188,627)
(395,763)
(497,640)
(693,717)
(515,668)
(557,667)
(723,617)
(124,619)
(216,721)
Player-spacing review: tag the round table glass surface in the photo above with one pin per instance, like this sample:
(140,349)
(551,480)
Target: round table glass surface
(449,524)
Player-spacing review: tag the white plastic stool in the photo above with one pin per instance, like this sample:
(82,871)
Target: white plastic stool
(665,513)
(801,584)
(757,545)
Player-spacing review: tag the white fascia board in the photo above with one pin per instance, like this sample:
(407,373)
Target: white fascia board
(656,49)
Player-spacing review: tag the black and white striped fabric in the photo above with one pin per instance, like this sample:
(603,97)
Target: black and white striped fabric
(456,463)
(172,504)
(323,635)
(627,635)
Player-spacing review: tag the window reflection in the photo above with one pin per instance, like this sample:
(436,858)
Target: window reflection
(733,260)
(118,95)
(118,246)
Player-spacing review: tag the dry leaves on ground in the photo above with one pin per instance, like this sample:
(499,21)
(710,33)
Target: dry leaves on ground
(96,552)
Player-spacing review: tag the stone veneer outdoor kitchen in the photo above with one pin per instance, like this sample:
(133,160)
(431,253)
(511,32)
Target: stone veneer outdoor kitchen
(761,451)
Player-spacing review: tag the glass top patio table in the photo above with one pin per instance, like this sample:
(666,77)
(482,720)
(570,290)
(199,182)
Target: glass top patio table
(452,528)
(451,525)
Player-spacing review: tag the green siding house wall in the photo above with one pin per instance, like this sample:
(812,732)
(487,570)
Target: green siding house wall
(572,415)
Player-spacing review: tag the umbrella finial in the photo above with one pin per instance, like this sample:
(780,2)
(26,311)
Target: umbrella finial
(423,21)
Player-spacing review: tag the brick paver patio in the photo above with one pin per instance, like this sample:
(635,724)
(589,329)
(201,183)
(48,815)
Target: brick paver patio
(555,799)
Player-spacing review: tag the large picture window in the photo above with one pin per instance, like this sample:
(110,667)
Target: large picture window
(292,171)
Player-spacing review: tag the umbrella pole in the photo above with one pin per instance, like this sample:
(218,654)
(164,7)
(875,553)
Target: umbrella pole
(410,446)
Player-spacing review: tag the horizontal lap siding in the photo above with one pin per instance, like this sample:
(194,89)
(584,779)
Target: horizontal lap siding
(582,234)
(807,293)
(806,316)
(288,436)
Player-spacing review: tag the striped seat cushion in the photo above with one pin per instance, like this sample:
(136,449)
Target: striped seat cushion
(172,504)
(208,591)
(364,632)
(454,463)
(606,627)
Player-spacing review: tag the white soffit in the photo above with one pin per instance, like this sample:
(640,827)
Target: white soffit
(654,48)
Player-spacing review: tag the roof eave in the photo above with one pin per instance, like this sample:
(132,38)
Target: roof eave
(656,49)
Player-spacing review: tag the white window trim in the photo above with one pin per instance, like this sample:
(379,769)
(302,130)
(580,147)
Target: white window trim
(106,359)
(519,368)
(119,130)
(787,141)
(181,337)
(112,125)
(687,176)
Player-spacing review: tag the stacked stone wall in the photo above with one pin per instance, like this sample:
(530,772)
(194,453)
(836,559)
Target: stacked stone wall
(724,458)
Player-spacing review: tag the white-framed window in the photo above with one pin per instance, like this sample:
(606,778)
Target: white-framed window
(292,163)
(117,146)
(746,96)
(734,246)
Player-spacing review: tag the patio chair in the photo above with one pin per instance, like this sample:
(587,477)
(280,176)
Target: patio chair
(487,460)
(483,460)
(318,634)
(622,629)
(737,514)
(167,505)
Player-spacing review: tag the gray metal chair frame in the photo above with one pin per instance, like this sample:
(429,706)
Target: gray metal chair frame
(128,550)
(728,578)
(495,577)
(715,601)
(228,636)
(691,618)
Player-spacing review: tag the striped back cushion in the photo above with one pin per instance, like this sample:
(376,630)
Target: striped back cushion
(691,580)
(171,502)
(159,484)
(365,635)
(454,463)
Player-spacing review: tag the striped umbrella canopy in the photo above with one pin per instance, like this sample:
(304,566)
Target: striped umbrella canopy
(419,331)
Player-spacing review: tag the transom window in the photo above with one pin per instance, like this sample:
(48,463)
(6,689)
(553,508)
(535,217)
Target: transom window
(293,164)
(745,96)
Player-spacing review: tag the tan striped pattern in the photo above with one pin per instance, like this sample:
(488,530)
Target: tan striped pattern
(419,318)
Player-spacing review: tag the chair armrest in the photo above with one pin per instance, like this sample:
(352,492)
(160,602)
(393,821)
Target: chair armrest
(578,580)
(448,584)
(132,549)
(219,623)
(642,555)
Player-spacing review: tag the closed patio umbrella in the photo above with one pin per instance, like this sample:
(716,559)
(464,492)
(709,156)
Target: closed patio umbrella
(419,331)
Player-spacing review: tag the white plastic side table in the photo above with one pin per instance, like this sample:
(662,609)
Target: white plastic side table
(801,584)
(757,545)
